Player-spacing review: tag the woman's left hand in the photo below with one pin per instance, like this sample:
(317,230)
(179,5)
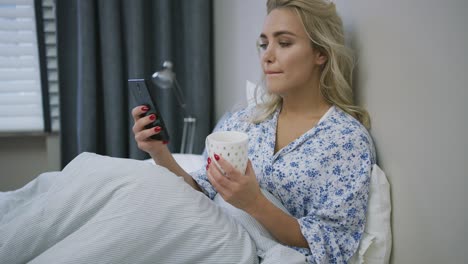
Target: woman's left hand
(240,190)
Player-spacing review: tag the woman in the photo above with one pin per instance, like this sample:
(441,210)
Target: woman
(308,143)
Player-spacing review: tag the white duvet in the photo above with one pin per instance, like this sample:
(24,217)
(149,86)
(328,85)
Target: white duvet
(108,210)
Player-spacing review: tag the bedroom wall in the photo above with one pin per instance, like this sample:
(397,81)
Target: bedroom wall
(23,157)
(412,77)
(237,25)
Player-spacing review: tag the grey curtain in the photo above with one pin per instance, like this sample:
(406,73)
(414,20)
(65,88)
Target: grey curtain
(103,43)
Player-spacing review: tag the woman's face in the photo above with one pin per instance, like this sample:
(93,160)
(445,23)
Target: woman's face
(288,59)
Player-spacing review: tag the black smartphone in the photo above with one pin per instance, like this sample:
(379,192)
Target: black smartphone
(139,89)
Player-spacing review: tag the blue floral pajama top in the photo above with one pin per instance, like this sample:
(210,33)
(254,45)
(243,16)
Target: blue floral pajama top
(322,178)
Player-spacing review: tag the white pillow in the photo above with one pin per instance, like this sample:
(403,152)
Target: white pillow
(376,243)
(188,162)
(250,93)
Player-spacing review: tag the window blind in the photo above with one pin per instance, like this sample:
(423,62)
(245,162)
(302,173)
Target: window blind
(21,108)
(50,39)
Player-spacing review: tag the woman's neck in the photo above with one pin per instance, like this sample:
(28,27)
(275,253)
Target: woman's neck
(309,104)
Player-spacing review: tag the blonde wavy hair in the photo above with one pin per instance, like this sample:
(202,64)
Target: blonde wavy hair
(324,27)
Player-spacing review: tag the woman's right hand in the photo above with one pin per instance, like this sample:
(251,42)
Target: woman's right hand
(156,148)
(142,135)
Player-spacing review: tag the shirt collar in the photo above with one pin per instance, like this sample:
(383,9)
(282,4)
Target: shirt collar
(271,130)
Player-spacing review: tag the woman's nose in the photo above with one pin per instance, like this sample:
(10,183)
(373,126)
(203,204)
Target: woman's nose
(268,55)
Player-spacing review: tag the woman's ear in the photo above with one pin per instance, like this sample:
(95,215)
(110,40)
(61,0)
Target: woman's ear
(320,58)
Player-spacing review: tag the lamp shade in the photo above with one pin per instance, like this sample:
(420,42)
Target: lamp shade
(165,77)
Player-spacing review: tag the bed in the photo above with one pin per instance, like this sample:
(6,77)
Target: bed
(96,211)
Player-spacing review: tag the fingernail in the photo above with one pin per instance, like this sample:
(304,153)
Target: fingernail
(152,117)
(165,142)
(209,160)
(207,166)
(157,128)
(216,156)
(144,108)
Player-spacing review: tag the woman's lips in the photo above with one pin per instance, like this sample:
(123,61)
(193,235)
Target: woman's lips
(272,72)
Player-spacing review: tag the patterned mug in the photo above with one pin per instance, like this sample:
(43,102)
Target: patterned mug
(231,145)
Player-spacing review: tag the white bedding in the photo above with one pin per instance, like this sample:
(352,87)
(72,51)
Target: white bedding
(108,210)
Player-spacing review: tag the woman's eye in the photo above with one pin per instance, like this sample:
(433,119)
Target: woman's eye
(284,44)
(262,46)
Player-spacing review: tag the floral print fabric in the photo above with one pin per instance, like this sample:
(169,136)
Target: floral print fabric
(322,178)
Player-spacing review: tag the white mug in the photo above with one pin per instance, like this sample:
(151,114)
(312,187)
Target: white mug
(231,145)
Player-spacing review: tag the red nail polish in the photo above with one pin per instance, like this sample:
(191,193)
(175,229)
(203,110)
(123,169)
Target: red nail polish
(144,108)
(157,128)
(209,160)
(152,117)
(207,166)
(216,156)
(165,142)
